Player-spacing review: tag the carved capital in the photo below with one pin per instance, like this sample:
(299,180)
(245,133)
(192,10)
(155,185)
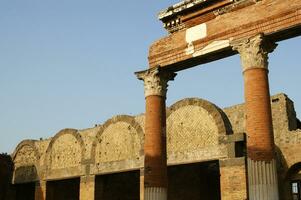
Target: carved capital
(254,51)
(155,81)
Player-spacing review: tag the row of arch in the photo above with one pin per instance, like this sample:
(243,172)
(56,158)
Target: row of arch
(191,124)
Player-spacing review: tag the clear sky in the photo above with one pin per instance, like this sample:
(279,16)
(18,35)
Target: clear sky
(71,64)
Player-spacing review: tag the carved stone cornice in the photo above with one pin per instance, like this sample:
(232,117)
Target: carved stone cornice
(254,51)
(155,81)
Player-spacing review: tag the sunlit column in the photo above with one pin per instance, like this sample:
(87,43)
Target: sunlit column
(262,171)
(155,162)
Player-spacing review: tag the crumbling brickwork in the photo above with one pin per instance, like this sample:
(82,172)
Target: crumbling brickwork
(209,122)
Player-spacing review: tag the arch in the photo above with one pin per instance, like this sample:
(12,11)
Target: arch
(194,123)
(293,170)
(22,144)
(119,138)
(65,150)
(26,162)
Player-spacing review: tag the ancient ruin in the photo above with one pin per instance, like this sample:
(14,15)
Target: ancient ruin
(193,149)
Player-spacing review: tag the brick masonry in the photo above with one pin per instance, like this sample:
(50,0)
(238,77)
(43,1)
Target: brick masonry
(270,17)
(32,158)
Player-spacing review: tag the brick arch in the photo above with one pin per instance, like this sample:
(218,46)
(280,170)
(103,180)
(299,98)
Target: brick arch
(26,162)
(194,123)
(293,170)
(120,138)
(23,143)
(65,150)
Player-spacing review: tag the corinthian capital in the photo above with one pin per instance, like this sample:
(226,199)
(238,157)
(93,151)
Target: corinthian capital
(155,81)
(254,51)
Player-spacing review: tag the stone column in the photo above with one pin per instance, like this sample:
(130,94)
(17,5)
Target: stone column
(87,187)
(155,161)
(40,190)
(262,171)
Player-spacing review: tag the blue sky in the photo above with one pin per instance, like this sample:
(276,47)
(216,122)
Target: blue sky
(71,64)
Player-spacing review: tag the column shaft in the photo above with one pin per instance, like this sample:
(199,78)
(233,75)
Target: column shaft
(155,167)
(155,159)
(262,171)
(258,115)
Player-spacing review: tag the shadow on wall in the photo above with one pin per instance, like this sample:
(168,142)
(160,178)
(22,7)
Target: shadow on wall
(6,171)
(24,173)
(24,186)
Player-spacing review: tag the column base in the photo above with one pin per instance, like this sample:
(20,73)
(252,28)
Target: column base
(262,177)
(155,193)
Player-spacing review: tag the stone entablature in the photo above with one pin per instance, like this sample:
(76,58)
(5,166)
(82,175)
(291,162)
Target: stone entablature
(116,145)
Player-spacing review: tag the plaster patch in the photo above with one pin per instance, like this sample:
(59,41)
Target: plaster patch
(212,47)
(190,49)
(196,33)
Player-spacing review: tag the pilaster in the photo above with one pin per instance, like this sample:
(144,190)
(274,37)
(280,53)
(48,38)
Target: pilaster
(40,190)
(87,187)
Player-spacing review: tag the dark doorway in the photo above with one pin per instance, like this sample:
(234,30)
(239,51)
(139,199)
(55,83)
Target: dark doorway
(119,186)
(198,181)
(63,189)
(25,191)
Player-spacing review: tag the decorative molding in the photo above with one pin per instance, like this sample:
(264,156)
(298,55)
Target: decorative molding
(254,51)
(155,81)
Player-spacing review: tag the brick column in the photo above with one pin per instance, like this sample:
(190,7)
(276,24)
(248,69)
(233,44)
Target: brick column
(262,171)
(87,187)
(40,190)
(155,162)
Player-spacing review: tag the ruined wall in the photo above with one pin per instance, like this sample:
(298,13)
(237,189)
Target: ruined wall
(194,127)
(197,131)
(26,162)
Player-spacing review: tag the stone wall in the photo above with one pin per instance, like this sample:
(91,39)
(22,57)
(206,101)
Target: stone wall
(197,132)
(194,128)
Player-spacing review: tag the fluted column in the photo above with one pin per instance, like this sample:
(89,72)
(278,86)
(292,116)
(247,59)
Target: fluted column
(155,162)
(262,171)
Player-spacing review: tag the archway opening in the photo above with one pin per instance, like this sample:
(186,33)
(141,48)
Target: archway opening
(290,187)
(197,181)
(125,186)
(25,191)
(63,189)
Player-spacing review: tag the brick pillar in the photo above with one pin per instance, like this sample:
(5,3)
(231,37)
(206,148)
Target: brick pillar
(262,171)
(87,187)
(155,162)
(40,190)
